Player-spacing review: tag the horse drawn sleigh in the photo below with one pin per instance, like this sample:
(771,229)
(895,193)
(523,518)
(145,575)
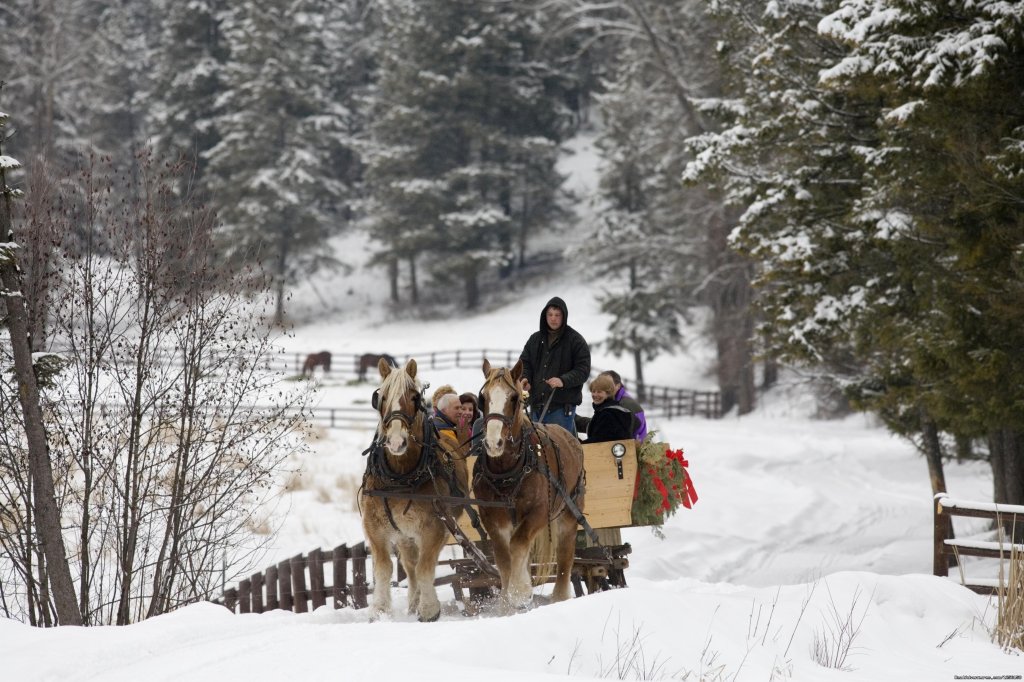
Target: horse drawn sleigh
(516,496)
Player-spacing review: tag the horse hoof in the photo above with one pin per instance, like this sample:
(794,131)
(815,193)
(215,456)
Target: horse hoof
(431,619)
(377,615)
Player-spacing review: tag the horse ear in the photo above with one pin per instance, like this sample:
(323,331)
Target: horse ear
(384,367)
(517,371)
(410,368)
(487,366)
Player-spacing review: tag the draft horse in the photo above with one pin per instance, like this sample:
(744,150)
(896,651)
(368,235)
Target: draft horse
(537,470)
(407,459)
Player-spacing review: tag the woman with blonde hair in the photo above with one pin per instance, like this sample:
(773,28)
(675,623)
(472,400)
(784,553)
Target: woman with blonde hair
(611,421)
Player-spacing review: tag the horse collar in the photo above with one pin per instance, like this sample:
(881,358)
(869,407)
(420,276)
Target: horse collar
(525,462)
(378,467)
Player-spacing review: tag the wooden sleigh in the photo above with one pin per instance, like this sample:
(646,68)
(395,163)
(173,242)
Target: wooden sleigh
(611,478)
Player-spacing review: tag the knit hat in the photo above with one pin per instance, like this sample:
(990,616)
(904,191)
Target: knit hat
(603,383)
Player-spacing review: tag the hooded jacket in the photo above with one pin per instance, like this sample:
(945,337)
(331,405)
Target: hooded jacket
(566,357)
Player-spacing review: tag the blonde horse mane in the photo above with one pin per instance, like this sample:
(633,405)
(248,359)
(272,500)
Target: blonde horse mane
(397,380)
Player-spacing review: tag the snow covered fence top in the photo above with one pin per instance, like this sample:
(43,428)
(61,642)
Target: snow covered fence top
(948,502)
(947,549)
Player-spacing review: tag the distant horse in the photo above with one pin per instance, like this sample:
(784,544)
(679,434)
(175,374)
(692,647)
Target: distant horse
(368,360)
(538,468)
(314,360)
(405,458)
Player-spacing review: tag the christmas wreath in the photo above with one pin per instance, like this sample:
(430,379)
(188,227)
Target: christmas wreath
(662,483)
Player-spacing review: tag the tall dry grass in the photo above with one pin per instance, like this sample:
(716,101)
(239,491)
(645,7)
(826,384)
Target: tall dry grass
(1009,630)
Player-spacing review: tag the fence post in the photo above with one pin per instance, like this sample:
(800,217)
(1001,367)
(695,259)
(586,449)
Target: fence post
(339,557)
(940,565)
(284,584)
(244,596)
(230,599)
(272,601)
(359,586)
(317,593)
(297,566)
(257,592)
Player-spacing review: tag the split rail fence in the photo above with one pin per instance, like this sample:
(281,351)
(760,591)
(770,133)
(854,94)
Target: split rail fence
(659,402)
(1003,515)
(662,402)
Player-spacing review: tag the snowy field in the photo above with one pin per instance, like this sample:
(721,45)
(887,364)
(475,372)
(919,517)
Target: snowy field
(807,557)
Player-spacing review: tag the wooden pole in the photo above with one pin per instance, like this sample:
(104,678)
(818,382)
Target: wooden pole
(317,593)
(339,557)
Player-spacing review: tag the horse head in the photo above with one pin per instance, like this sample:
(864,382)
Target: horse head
(502,407)
(399,402)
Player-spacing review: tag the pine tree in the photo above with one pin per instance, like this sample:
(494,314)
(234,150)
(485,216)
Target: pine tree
(188,65)
(659,81)
(121,67)
(944,196)
(465,132)
(280,128)
(876,166)
(635,247)
(44,59)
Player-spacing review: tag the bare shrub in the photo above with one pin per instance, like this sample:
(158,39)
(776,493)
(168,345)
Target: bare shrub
(166,427)
(631,661)
(834,643)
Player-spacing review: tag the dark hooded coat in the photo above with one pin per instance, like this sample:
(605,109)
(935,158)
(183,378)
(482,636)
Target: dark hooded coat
(566,357)
(611,421)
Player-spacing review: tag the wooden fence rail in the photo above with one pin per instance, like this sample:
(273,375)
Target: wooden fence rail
(1004,515)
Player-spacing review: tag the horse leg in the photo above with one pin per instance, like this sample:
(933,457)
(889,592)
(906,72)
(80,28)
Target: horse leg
(380,550)
(428,607)
(565,553)
(520,587)
(409,555)
(500,531)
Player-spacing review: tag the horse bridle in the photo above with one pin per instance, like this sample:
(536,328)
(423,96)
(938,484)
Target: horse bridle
(506,422)
(401,416)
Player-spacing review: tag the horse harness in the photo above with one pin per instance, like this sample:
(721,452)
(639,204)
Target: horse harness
(430,468)
(506,484)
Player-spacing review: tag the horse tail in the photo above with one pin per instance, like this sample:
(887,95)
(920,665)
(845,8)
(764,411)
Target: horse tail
(543,554)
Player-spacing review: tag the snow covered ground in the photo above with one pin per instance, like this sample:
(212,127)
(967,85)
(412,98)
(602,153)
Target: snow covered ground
(810,539)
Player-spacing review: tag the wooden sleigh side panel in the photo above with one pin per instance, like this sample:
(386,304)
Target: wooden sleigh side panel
(609,498)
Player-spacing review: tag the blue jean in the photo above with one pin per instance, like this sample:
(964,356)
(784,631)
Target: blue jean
(563,415)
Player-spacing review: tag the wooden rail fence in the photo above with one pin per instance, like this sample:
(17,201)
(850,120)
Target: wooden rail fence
(659,402)
(284,585)
(300,584)
(945,547)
